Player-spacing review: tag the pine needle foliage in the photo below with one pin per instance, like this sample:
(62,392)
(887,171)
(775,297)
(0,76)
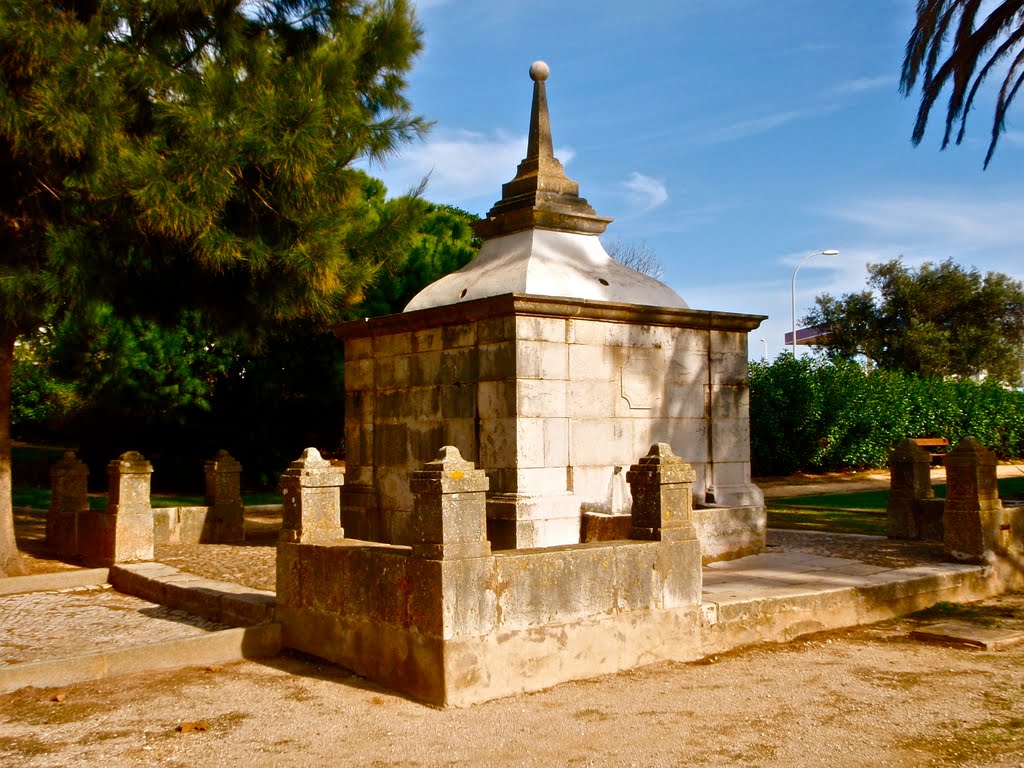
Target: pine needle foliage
(200,149)
(957,44)
(164,155)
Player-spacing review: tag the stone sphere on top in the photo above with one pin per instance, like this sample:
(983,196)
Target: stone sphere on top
(539,71)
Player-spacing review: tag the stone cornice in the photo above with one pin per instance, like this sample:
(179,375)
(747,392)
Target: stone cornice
(514,304)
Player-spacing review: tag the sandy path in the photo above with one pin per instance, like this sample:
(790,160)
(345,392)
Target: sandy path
(864,697)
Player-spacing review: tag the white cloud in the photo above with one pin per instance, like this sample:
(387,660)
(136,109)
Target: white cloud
(646,191)
(463,166)
(861,84)
(746,128)
(951,224)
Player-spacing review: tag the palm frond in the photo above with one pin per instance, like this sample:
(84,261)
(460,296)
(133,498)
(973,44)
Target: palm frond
(944,51)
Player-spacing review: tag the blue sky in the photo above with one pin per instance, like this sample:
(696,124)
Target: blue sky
(733,137)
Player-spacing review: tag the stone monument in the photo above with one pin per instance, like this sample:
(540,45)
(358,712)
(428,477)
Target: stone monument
(550,367)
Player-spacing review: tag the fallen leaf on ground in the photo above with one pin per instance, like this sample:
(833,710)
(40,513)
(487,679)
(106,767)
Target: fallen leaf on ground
(199,725)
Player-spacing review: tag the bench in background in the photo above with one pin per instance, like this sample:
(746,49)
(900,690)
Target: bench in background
(936,446)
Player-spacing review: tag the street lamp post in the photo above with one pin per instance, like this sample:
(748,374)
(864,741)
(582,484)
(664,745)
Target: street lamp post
(765,342)
(829,252)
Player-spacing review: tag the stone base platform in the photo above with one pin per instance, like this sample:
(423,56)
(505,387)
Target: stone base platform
(805,583)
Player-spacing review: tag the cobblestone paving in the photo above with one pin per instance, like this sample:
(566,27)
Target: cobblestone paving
(252,564)
(874,550)
(82,620)
(248,565)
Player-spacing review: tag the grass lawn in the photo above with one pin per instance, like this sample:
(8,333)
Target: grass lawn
(32,467)
(862,512)
(827,520)
(39,498)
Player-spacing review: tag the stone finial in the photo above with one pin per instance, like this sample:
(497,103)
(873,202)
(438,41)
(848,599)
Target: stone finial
(971,476)
(225,519)
(131,463)
(973,516)
(540,196)
(128,479)
(449,473)
(450,510)
(311,496)
(661,483)
(662,460)
(910,482)
(224,462)
(310,458)
(69,498)
(128,535)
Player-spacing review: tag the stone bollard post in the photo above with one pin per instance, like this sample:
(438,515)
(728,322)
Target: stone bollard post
(973,516)
(449,519)
(910,481)
(311,487)
(68,499)
(225,517)
(129,516)
(662,505)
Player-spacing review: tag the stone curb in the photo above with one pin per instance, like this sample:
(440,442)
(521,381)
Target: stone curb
(213,648)
(51,582)
(220,601)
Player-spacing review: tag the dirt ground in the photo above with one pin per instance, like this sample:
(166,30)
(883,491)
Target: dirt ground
(862,697)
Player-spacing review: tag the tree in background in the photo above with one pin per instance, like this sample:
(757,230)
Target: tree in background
(952,47)
(938,320)
(179,391)
(636,255)
(196,154)
(444,243)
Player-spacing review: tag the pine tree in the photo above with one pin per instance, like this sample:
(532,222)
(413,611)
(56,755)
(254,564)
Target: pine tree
(163,155)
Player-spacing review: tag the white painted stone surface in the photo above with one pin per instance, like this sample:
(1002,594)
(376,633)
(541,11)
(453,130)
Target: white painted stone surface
(546,263)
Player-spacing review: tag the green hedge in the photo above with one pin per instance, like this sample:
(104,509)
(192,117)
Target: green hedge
(810,414)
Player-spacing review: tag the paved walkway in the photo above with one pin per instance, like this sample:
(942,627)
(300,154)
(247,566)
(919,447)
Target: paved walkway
(80,620)
(789,574)
(873,480)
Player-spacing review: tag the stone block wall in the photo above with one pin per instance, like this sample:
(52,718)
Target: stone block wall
(450,623)
(553,399)
(456,632)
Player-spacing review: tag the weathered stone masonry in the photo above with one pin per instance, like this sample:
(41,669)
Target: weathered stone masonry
(549,397)
(449,622)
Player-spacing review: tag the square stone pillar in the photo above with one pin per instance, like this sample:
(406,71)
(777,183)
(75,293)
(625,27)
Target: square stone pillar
(910,481)
(69,498)
(311,490)
(973,515)
(129,514)
(225,518)
(662,484)
(450,508)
